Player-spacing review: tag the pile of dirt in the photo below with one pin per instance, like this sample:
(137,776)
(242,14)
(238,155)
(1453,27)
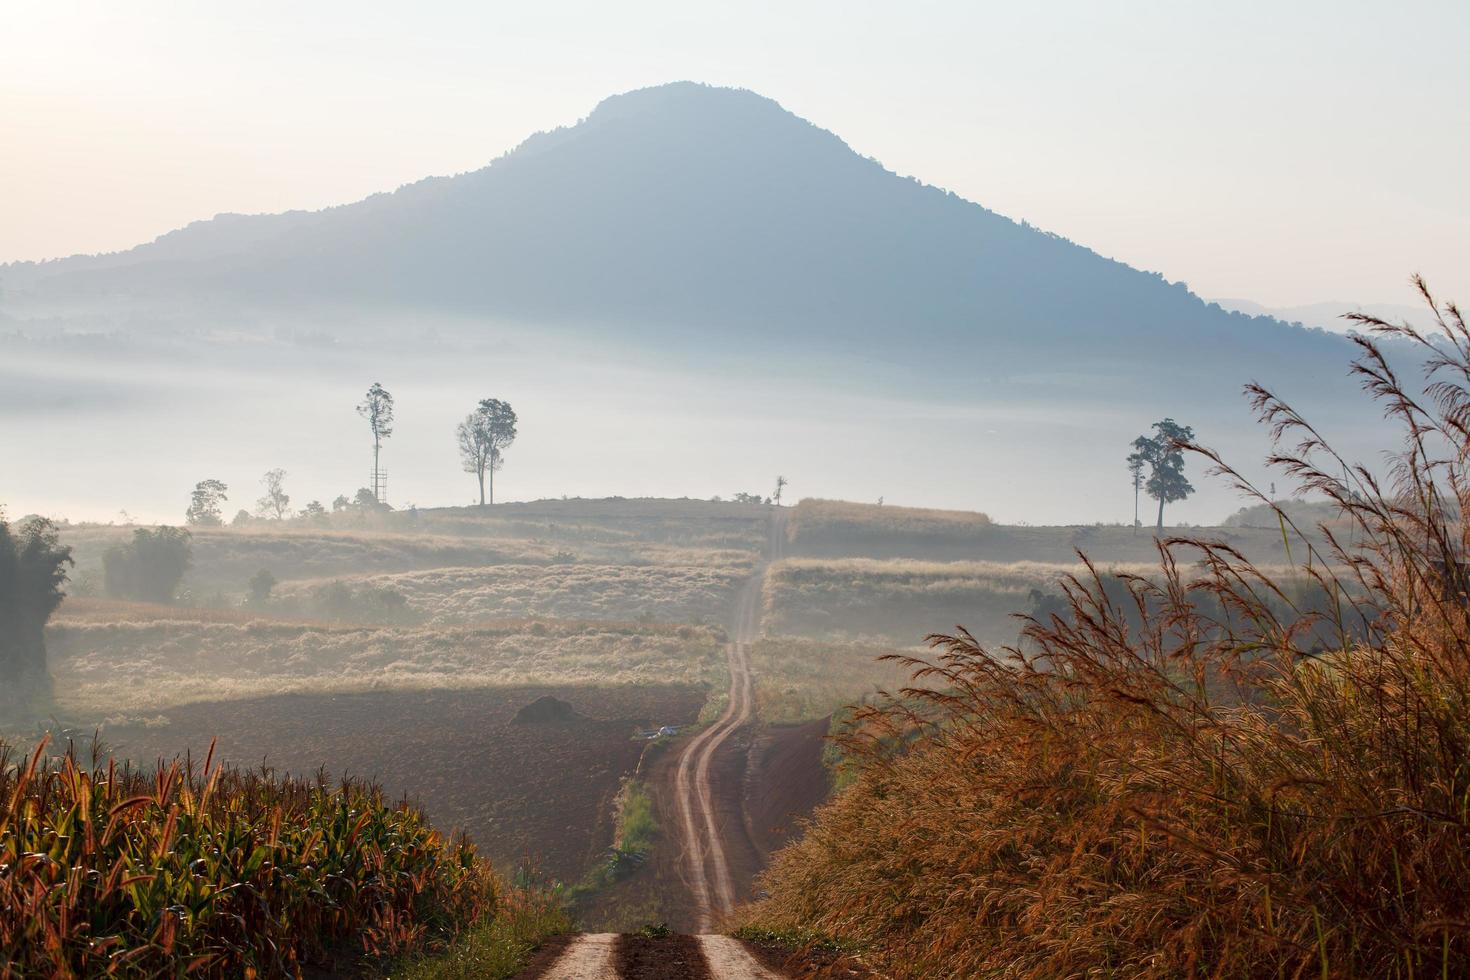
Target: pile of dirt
(546,709)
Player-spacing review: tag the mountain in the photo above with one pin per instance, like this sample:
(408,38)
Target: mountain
(682,211)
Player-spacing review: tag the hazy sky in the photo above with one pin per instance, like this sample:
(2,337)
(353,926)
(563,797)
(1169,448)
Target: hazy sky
(1286,152)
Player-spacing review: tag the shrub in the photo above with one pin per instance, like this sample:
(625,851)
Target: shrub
(150,567)
(108,870)
(1161,786)
(260,586)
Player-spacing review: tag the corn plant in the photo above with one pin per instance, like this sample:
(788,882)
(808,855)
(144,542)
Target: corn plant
(109,869)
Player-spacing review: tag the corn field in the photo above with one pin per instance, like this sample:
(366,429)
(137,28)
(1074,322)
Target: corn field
(111,870)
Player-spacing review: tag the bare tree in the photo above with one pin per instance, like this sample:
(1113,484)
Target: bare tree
(377,408)
(780,485)
(483,435)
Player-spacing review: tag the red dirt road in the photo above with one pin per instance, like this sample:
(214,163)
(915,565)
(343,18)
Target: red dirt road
(704,836)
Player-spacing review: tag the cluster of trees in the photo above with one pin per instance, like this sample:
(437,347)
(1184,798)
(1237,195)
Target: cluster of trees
(33,569)
(755,498)
(1161,457)
(483,438)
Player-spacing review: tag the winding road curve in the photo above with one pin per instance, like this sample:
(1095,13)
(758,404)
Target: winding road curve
(707,867)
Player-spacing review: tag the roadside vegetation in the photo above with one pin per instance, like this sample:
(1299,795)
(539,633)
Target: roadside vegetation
(527,914)
(635,832)
(1152,784)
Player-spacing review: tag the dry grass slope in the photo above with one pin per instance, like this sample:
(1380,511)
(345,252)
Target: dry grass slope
(457,596)
(899,602)
(802,680)
(132,665)
(839,527)
(1158,788)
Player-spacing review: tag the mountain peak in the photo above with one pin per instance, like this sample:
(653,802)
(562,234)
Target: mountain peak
(684,208)
(685,109)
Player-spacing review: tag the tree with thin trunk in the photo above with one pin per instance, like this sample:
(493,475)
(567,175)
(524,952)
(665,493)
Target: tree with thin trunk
(377,408)
(1163,452)
(483,436)
(1136,462)
(204,504)
(32,572)
(276,502)
(780,485)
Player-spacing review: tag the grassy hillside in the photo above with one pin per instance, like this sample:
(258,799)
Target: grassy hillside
(838,527)
(120,659)
(802,680)
(445,596)
(352,542)
(900,602)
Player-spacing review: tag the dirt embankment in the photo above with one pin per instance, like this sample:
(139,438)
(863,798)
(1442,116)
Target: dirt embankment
(785,781)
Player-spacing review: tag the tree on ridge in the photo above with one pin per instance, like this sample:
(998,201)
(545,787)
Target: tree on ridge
(377,408)
(483,436)
(1163,454)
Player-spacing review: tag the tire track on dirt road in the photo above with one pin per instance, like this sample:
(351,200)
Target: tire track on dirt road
(706,864)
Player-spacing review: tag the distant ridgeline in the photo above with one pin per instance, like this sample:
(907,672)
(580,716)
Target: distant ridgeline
(704,215)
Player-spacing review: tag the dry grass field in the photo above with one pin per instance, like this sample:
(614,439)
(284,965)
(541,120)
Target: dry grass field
(799,680)
(836,529)
(225,558)
(839,527)
(609,522)
(110,661)
(693,592)
(899,602)
(607,532)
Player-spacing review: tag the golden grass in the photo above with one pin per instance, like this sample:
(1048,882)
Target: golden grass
(110,669)
(1184,779)
(900,601)
(663,592)
(836,526)
(669,532)
(802,680)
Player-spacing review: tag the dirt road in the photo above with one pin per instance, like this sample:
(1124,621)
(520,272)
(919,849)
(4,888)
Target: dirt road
(611,957)
(703,833)
(706,863)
